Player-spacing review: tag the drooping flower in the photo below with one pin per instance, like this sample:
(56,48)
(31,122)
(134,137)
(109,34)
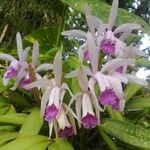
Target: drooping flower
(85,101)
(103,34)
(17,68)
(64,124)
(35,67)
(54,90)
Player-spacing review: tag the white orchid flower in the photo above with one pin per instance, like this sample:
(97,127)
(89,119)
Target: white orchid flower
(17,68)
(85,101)
(54,90)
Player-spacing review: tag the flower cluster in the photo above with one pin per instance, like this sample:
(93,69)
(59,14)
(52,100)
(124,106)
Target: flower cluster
(101,41)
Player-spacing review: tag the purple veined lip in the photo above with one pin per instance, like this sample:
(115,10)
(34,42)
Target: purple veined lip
(24,82)
(109,97)
(50,112)
(66,132)
(120,69)
(107,47)
(89,121)
(86,55)
(11,72)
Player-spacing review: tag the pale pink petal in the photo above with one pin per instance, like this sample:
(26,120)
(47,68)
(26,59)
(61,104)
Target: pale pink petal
(134,79)
(55,128)
(7,57)
(40,83)
(81,51)
(117,86)
(121,105)
(113,64)
(44,67)
(74,34)
(57,67)
(127,27)
(66,87)
(78,104)
(93,52)
(50,124)
(113,14)
(82,79)
(44,100)
(19,46)
(87,70)
(72,121)
(102,81)
(35,53)
(25,53)
(72,74)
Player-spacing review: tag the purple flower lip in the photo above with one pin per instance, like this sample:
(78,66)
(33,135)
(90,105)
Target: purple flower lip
(120,69)
(86,55)
(11,72)
(107,47)
(108,97)
(66,132)
(50,112)
(89,121)
(24,82)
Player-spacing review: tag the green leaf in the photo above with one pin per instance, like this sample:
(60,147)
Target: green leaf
(131,89)
(102,10)
(19,100)
(39,146)
(25,143)
(138,103)
(60,144)
(12,119)
(127,132)
(32,124)
(7,136)
(107,139)
(7,128)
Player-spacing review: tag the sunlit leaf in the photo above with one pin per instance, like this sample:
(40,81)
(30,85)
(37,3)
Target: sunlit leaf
(25,143)
(60,145)
(32,124)
(138,103)
(127,132)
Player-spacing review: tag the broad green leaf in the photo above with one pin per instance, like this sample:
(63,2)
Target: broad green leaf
(143,63)
(102,10)
(131,89)
(19,100)
(11,110)
(7,136)
(12,119)
(25,143)
(127,132)
(138,103)
(107,139)
(3,110)
(32,124)
(60,145)
(40,146)
(7,128)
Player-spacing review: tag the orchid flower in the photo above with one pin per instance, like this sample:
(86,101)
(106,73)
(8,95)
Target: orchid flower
(34,64)
(54,90)
(103,35)
(64,124)
(108,78)
(85,101)
(17,68)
